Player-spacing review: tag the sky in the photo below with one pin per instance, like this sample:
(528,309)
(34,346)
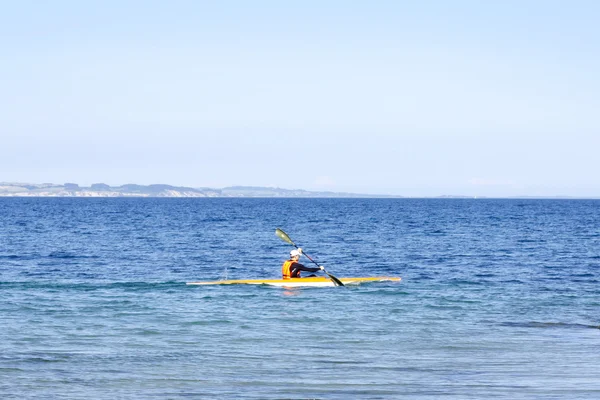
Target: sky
(411,98)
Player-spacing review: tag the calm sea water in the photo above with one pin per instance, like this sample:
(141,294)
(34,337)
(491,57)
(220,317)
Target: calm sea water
(499,299)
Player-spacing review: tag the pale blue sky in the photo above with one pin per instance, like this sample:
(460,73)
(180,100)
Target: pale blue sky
(420,98)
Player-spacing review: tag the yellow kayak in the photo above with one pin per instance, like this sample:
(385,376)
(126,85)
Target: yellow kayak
(319,281)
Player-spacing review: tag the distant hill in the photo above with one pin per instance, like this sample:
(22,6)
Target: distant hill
(157,190)
(257,191)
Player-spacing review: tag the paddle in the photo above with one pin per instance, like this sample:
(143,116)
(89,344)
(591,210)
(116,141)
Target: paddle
(286,238)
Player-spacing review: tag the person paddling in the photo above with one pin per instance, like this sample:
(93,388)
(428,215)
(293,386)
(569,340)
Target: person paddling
(291,268)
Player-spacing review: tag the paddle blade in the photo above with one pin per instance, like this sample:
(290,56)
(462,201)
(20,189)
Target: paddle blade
(284,236)
(335,280)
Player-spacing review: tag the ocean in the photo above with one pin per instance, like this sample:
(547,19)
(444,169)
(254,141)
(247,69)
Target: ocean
(498,299)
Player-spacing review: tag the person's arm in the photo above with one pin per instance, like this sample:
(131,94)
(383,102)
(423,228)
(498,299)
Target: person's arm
(308,269)
(300,267)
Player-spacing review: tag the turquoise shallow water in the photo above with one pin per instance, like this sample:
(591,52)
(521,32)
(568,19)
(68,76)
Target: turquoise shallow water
(499,299)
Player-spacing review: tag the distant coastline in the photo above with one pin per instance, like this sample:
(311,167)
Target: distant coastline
(12,189)
(160,190)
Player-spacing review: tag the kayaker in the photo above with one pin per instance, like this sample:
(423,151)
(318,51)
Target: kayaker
(291,268)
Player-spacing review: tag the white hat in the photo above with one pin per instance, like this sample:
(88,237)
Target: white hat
(295,253)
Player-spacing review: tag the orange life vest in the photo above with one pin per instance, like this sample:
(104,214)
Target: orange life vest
(286,270)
